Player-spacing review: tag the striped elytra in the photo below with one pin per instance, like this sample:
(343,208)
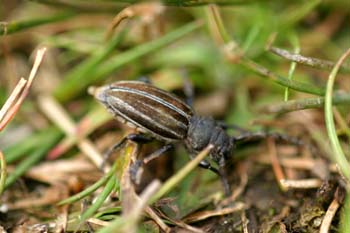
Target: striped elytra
(148,108)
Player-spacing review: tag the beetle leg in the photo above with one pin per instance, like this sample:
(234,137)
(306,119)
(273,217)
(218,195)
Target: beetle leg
(135,171)
(158,153)
(224,177)
(206,165)
(221,172)
(137,138)
(256,136)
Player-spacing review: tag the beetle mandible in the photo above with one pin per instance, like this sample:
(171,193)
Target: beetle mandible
(163,116)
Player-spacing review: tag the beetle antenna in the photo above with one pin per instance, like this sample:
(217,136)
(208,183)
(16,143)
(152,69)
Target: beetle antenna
(258,136)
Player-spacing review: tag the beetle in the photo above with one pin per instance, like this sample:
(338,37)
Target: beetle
(157,114)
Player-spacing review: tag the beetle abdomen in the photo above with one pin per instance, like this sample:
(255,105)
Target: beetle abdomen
(147,107)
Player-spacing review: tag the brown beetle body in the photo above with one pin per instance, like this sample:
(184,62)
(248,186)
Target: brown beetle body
(149,109)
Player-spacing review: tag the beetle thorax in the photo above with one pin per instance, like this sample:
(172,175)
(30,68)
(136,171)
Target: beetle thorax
(203,131)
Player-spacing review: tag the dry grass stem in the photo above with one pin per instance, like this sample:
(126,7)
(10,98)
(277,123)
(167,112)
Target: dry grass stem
(58,115)
(11,99)
(148,12)
(59,170)
(310,61)
(301,184)
(157,219)
(10,113)
(201,215)
(83,128)
(245,222)
(276,166)
(98,222)
(135,210)
(297,163)
(330,213)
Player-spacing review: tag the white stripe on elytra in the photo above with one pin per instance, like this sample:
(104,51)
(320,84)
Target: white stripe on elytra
(153,97)
(132,109)
(170,117)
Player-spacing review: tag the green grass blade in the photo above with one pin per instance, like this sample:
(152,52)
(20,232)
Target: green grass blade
(74,86)
(33,158)
(90,189)
(292,84)
(339,156)
(116,62)
(293,16)
(172,182)
(3,172)
(111,184)
(74,80)
(345,215)
(180,175)
(21,149)
(293,65)
(12,27)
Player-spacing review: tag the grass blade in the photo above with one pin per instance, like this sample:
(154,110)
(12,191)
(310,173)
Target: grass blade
(12,27)
(345,215)
(175,179)
(3,172)
(33,158)
(73,86)
(20,149)
(339,156)
(90,189)
(73,81)
(111,184)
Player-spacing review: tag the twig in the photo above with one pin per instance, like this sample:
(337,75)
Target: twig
(306,103)
(301,184)
(309,61)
